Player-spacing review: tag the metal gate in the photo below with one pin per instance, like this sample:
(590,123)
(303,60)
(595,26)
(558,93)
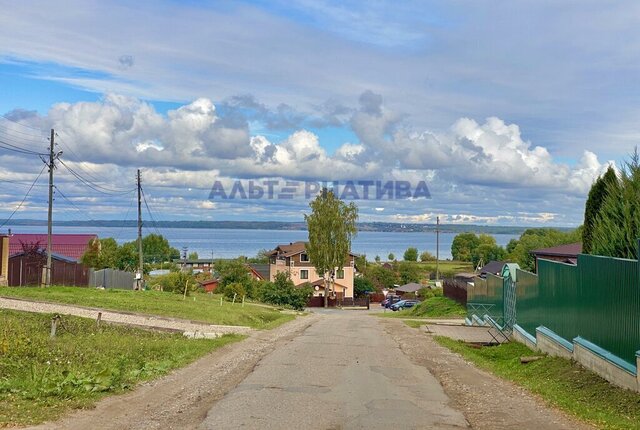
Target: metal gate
(509,297)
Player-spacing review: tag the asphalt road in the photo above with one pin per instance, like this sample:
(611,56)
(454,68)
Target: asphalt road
(343,372)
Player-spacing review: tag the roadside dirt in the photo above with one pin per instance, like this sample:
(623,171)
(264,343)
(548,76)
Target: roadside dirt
(487,401)
(182,399)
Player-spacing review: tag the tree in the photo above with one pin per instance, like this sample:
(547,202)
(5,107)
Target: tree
(427,256)
(156,248)
(331,226)
(382,277)
(463,245)
(411,254)
(391,256)
(377,259)
(408,272)
(597,195)
(536,238)
(617,225)
(361,286)
(282,292)
(101,254)
(232,272)
(193,256)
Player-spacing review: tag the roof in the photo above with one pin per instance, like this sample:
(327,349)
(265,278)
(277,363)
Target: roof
(411,287)
(54,256)
(261,269)
(568,250)
(209,281)
(493,267)
(68,245)
(292,248)
(320,283)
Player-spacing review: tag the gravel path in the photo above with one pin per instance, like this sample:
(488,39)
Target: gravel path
(189,328)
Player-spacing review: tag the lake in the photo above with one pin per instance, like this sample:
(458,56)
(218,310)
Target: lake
(229,243)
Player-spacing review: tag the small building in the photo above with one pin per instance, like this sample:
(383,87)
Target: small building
(493,267)
(198,265)
(71,246)
(563,253)
(210,285)
(28,268)
(410,288)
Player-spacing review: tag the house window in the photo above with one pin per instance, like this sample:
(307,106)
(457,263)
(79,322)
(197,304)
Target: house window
(304,257)
(304,274)
(340,274)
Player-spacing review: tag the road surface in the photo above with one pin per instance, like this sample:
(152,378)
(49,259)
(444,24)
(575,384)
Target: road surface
(343,372)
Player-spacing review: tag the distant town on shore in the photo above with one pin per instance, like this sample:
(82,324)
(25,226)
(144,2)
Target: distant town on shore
(287,225)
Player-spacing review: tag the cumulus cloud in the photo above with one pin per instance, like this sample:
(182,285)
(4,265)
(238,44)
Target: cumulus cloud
(185,150)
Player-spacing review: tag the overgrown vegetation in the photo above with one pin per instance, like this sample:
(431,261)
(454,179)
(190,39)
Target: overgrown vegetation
(42,378)
(560,382)
(103,253)
(282,292)
(199,307)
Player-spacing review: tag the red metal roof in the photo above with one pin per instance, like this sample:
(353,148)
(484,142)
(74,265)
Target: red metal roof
(68,245)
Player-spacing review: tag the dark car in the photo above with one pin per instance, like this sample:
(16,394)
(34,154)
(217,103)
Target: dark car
(403,304)
(389,301)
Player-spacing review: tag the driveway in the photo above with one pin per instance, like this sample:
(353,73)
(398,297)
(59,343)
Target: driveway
(342,372)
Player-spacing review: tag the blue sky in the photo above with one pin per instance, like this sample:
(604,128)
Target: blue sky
(508,110)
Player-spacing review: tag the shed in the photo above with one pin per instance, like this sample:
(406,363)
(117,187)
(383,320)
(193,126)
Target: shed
(27,268)
(411,287)
(567,253)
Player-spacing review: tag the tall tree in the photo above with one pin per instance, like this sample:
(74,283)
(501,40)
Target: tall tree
(617,225)
(411,254)
(596,198)
(331,225)
(463,245)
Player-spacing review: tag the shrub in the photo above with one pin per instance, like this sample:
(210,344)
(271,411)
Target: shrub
(235,290)
(427,256)
(282,292)
(411,254)
(174,282)
(425,293)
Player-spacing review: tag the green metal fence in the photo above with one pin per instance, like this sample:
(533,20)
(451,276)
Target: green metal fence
(486,298)
(599,300)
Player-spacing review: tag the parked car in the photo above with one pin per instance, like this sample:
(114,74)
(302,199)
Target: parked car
(386,303)
(404,304)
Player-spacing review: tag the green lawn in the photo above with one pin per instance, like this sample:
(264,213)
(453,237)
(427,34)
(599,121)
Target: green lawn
(42,378)
(560,382)
(433,307)
(198,307)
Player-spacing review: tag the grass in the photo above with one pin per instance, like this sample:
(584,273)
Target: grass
(199,307)
(433,307)
(413,323)
(445,267)
(560,382)
(42,378)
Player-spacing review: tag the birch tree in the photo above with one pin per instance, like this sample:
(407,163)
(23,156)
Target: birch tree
(331,226)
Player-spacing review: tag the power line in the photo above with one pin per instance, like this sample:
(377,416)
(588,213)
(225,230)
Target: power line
(93,185)
(15,148)
(24,198)
(79,160)
(153,220)
(42,131)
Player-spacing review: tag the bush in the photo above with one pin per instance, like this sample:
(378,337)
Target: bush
(282,292)
(427,256)
(235,290)
(425,293)
(174,282)
(411,254)
(362,285)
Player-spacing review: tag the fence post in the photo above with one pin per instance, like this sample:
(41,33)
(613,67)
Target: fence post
(99,319)
(54,325)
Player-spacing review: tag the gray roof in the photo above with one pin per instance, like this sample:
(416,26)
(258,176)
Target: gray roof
(411,287)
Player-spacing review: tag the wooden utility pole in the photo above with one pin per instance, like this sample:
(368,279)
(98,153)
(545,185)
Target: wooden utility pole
(51,165)
(437,248)
(140,257)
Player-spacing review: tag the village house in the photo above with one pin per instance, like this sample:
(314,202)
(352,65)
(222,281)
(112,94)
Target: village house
(293,258)
(71,246)
(563,253)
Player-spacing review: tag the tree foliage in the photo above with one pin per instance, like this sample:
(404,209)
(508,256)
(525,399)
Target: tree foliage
(106,253)
(391,256)
(463,245)
(411,254)
(596,198)
(362,286)
(408,272)
(617,226)
(282,292)
(331,225)
(536,238)
(427,256)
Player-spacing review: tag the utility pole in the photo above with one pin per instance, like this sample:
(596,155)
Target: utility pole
(437,248)
(51,164)
(140,257)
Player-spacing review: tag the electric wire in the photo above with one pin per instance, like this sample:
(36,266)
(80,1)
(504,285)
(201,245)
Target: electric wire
(24,198)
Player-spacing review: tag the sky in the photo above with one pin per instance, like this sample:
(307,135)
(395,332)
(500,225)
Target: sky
(506,110)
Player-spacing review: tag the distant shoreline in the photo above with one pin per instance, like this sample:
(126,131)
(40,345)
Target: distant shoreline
(283,225)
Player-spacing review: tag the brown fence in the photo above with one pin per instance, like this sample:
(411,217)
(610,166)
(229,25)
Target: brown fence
(318,302)
(29,270)
(455,289)
(359,302)
(376,297)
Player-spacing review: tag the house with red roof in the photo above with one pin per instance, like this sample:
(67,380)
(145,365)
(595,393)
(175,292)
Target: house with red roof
(71,246)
